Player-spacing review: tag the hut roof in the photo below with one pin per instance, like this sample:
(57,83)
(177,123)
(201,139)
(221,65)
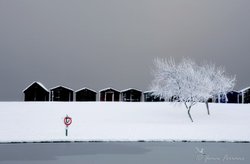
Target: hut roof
(247,88)
(62,87)
(109,88)
(148,91)
(125,90)
(234,91)
(84,89)
(36,82)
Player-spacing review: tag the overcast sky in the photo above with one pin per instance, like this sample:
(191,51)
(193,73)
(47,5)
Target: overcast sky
(102,43)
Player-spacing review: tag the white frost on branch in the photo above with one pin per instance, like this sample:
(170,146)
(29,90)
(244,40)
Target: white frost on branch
(188,82)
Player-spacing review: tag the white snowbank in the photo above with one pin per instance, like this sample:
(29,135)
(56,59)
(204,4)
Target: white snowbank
(120,121)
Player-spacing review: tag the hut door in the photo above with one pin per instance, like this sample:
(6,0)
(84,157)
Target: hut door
(109,96)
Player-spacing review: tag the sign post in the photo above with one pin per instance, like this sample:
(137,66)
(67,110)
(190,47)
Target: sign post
(67,122)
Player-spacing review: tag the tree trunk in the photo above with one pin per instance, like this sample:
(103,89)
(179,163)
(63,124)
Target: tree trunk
(189,108)
(190,114)
(208,112)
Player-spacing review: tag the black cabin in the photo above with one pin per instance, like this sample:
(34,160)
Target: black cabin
(61,93)
(220,98)
(131,95)
(85,94)
(36,92)
(109,94)
(148,97)
(245,95)
(233,97)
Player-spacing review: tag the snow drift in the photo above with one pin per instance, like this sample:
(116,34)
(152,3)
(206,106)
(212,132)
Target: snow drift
(121,121)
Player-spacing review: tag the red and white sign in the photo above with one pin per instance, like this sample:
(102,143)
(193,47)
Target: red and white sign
(67,120)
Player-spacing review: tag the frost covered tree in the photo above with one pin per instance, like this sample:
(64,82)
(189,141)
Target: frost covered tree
(188,82)
(216,82)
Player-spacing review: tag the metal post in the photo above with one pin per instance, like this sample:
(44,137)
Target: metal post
(66,132)
(243,97)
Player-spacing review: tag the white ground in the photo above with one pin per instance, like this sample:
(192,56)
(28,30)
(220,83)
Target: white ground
(27,121)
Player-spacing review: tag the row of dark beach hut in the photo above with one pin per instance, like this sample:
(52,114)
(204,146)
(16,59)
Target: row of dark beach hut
(238,97)
(36,91)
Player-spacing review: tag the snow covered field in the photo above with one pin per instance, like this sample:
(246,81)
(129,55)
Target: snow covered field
(120,121)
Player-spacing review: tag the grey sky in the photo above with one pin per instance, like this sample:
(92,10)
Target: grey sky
(101,43)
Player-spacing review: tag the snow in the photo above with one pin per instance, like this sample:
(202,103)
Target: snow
(122,121)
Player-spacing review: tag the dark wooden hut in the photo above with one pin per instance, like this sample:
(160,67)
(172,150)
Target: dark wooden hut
(131,95)
(109,94)
(148,97)
(85,94)
(220,98)
(233,97)
(230,97)
(61,93)
(36,91)
(245,95)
